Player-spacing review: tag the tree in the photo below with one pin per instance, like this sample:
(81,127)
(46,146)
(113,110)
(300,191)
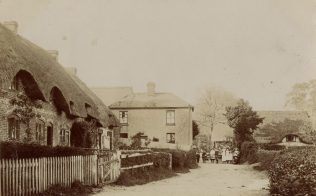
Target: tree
(25,109)
(302,96)
(211,108)
(195,129)
(243,120)
(277,130)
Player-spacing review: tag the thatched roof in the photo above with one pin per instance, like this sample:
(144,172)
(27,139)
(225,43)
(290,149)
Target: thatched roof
(18,54)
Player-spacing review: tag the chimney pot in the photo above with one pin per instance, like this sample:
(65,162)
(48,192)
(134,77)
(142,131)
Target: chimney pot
(151,86)
(12,26)
(54,54)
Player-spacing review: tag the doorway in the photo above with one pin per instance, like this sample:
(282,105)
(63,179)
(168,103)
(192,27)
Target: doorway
(50,135)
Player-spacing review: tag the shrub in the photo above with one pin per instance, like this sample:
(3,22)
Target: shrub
(22,150)
(182,161)
(271,147)
(293,172)
(159,170)
(248,152)
(76,189)
(265,158)
(143,175)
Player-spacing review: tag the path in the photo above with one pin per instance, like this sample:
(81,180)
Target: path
(209,179)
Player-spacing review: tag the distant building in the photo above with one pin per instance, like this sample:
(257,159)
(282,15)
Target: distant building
(164,118)
(110,95)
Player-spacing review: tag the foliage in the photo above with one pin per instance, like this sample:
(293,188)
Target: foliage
(159,159)
(143,175)
(25,109)
(302,96)
(277,130)
(248,152)
(293,172)
(158,171)
(23,150)
(195,129)
(76,189)
(271,147)
(182,161)
(84,133)
(211,107)
(243,120)
(265,158)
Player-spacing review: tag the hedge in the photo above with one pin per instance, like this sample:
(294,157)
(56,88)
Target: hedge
(293,172)
(159,170)
(9,150)
(160,160)
(272,147)
(248,152)
(182,161)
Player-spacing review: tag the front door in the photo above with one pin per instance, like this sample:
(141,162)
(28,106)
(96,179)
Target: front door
(49,135)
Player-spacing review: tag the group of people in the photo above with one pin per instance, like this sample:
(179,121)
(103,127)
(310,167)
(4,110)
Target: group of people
(224,155)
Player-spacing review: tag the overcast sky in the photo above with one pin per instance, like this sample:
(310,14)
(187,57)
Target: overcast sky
(256,49)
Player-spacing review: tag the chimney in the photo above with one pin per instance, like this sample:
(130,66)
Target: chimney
(54,54)
(12,26)
(151,88)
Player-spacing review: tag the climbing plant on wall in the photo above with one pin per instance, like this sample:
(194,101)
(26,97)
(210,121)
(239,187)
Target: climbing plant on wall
(25,109)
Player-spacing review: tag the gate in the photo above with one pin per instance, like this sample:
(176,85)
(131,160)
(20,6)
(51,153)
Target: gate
(108,167)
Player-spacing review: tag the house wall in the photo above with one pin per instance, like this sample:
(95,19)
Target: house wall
(152,122)
(48,115)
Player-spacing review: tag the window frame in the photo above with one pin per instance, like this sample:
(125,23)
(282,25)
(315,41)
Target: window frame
(171,141)
(122,122)
(39,130)
(124,137)
(173,122)
(14,131)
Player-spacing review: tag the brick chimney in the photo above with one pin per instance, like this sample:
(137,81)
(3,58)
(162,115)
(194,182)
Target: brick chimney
(12,26)
(54,54)
(151,86)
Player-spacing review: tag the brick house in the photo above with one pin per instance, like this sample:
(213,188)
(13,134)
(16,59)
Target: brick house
(163,118)
(65,100)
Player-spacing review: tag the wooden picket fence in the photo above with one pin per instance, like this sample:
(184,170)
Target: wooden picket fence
(32,176)
(109,165)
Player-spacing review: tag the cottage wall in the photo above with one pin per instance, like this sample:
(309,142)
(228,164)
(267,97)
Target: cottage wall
(152,122)
(48,114)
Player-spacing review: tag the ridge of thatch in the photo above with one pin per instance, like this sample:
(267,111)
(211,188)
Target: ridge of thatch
(17,53)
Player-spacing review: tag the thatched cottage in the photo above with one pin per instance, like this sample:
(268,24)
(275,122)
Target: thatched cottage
(288,134)
(65,101)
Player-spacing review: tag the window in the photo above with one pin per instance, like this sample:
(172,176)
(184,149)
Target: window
(123,135)
(13,127)
(171,138)
(123,117)
(170,117)
(63,136)
(39,131)
(290,138)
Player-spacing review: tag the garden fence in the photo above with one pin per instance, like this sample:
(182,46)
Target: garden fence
(32,176)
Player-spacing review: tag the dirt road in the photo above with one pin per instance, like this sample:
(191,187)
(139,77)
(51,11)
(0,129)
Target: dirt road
(208,180)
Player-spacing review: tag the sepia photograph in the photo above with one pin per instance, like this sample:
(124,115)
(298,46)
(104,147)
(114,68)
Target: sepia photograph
(158,97)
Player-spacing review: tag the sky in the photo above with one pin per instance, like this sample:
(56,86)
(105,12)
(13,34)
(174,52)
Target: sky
(256,49)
